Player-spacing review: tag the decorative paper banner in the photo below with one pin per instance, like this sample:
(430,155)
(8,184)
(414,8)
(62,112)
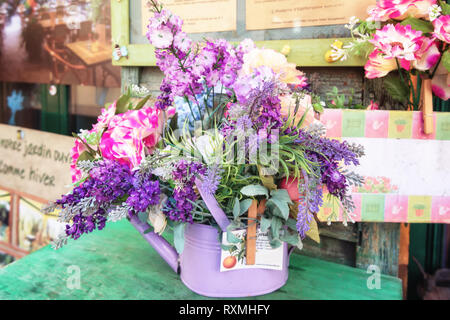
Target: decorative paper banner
(274,14)
(35,162)
(406,172)
(199,16)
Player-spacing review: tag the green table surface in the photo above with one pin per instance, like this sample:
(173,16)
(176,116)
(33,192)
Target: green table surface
(117,263)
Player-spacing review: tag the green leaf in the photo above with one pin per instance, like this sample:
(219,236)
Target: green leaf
(141,103)
(85,155)
(275,227)
(143,216)
(318,107)
(244,205)
(283,207)
(275,243)
(446,60)
(291,224)
(148,230)
(397,89)
(178,237)
(282,195)
(265,223)
(255,190)
(236,208)
(445,7)
(231,238)
(291,238)
(123,103)
(418,24)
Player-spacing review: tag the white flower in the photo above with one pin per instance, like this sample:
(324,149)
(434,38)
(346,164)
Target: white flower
(139,91)
(434,11)
(352,22)
(210,147)
(156,217)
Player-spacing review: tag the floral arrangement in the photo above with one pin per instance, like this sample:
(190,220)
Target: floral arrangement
(405,40)
(233,121)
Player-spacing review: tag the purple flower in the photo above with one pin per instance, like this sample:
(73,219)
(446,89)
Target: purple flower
(82,224)
(145,193)
(179,207)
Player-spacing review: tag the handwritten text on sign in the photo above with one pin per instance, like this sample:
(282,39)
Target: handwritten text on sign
(34,162)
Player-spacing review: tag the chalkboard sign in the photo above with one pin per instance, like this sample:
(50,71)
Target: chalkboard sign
(308,27)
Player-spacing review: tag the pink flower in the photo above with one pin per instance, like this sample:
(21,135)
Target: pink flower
(442,28)
(373,106)
(288,105)
(161,38)
(400,42)
(427,56)
(105,117)
(400,9)
(75,153)
(133,134)
(440,84)
(377,66)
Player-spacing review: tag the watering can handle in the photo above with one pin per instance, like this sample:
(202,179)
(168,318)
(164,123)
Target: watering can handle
(164,248)
(213,206)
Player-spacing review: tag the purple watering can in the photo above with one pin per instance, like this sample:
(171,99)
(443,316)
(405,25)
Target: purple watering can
(199,263)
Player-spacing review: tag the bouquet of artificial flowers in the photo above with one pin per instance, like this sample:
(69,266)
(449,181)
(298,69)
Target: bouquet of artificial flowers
(405,40)
(233,121)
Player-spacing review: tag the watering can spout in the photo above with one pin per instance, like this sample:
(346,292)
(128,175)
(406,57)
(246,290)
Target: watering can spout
(164,249)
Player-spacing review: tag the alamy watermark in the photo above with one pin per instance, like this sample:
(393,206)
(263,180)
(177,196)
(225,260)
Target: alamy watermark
(74,279)
(374,280)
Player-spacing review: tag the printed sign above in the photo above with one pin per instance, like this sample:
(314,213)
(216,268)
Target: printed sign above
(198,15)
(274,14)
(35,162)
(405,170)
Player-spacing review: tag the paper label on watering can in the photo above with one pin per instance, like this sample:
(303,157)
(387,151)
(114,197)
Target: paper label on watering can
(233,255)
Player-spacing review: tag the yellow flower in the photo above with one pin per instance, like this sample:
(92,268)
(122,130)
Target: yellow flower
(274,60)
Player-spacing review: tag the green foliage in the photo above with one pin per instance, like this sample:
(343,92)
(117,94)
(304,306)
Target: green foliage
(397,89)
(255,190)
(125,102)
(339,101)
(418,24)
(445,7)
(85,155)
(446,60)
(178,236)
